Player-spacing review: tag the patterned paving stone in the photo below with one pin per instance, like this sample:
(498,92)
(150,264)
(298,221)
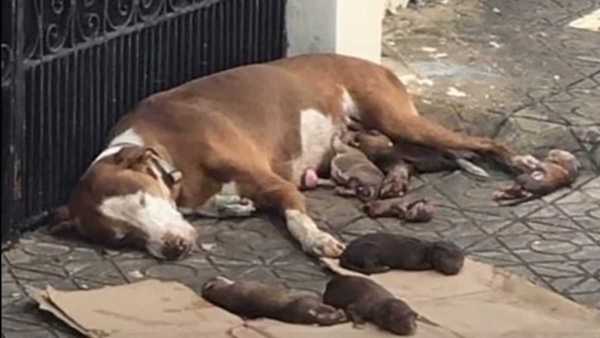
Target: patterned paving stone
(530,80)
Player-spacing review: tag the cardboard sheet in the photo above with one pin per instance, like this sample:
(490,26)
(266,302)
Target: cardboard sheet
(482,301)
(148,309)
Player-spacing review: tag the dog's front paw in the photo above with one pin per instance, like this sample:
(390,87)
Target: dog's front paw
(244,208)
(324,245)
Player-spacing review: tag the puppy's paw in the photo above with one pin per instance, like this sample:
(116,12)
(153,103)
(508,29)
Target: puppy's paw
(525,163)
(392,187)
(327,315)
(420,211)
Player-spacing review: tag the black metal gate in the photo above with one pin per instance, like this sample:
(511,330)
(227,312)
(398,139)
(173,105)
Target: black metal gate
(70,68)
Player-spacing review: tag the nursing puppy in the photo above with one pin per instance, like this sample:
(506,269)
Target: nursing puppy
(251,300)
(381,252)
(381,151)
(364,300)
(355,174)
(419,158)
(558,170)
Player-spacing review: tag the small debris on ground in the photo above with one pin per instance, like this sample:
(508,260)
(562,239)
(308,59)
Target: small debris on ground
(455,92)
(495,44)
(136,274)
(208,246)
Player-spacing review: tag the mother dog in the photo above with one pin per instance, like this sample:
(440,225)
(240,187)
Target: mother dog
(245,133)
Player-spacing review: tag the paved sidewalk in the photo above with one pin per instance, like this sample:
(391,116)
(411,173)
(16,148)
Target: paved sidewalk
(518,73)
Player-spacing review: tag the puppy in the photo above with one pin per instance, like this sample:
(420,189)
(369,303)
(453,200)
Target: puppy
(364,300)
(380,252)
(355,174)
(387,155)
(420,210)
(251,299)
(558,170)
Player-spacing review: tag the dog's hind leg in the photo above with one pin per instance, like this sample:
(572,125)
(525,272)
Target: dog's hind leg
(388,112)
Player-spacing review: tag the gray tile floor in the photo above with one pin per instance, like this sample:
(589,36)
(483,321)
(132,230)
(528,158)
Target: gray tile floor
(546,93)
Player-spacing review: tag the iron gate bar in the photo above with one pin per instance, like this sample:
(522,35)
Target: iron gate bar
(71,68)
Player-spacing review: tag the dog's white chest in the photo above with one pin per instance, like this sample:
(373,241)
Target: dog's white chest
(316,131)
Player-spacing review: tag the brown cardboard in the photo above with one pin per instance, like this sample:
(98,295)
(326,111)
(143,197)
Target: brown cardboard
(41,297)
(149,308)
(484,301)
(481,302)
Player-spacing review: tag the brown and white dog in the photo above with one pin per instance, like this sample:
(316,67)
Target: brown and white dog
(247,133)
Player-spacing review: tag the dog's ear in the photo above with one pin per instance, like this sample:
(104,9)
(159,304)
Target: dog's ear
(131,156)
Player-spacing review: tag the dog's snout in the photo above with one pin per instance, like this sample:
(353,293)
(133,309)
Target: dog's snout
(172,246)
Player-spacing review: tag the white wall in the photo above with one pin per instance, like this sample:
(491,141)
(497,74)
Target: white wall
(351,27)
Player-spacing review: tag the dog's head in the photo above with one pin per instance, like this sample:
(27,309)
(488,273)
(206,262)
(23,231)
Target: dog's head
(129,198)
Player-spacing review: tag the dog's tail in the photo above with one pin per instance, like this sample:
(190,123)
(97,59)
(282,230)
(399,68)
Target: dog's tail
(60,221)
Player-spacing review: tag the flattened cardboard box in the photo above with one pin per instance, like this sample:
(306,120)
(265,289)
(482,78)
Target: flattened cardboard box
(482,301)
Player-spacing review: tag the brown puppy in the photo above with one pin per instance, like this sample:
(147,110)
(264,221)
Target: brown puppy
(420,210)
(354,172)
(251,299)
(559,169)
(380,252)
(396,181)
(364,300)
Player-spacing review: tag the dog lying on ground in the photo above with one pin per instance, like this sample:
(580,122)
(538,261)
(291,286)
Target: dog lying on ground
(558,170)
(249,133)
(381,252)
(250,299)
(364,300)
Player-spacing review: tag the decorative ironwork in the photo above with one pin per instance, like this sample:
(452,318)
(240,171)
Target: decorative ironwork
(7,44)
(83,63)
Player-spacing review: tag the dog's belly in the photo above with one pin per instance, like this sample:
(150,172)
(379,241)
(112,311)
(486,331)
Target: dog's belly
(316,131)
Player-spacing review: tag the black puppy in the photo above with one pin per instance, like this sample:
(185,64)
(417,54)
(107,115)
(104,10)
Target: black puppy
(380,252)
(364,300)
(251,299)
